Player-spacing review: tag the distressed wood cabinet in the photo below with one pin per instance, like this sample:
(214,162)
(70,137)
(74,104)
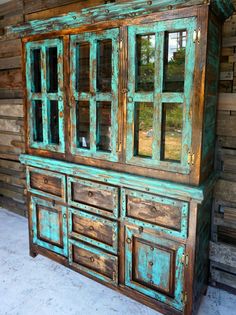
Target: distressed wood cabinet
(120,103)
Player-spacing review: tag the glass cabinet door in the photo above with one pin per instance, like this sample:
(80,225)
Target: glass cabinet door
(44,73)
(160,79)
(94,88)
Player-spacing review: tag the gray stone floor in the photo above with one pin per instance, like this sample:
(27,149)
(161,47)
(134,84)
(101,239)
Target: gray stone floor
(41,287)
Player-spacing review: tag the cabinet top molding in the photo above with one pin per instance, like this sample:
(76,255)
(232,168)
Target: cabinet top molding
(115,11)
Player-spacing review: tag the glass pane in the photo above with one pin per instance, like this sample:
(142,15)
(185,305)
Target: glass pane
(145,62)
(38,121)
(104,126)
(82,67)
(52,73)
(83,124)
(172,127)
(104,65)
(143,129)
(54,123)
(36,70)
(175,45)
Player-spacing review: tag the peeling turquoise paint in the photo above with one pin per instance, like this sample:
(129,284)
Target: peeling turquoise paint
(158,97)
(49,226)
(114,11)
(166,258)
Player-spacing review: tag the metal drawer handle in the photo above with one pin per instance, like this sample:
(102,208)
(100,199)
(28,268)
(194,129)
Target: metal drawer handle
(154,209)
(128,241)
(91,228)
(91,259)
(45,180)
(90,194)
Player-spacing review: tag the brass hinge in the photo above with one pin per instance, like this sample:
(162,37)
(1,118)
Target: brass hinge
(185,259)
(184,297)
(197,35)
(191,158)
(121,44)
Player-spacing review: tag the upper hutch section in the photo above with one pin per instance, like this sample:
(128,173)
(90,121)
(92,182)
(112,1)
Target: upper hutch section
(128,86)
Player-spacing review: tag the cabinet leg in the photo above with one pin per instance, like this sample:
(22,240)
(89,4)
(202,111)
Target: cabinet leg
(32,253)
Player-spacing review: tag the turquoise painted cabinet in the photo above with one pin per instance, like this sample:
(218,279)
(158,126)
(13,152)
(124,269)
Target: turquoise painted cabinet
(120,135)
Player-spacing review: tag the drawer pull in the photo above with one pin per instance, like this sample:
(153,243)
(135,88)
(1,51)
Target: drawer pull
(90,194)
(154,209)
(150,263)
(91,228)
(91,259)
(45,180)
(152,248)
(64,216)
(140,229)
(128,241)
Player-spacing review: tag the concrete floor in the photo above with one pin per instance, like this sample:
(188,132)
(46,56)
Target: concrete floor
(41,287)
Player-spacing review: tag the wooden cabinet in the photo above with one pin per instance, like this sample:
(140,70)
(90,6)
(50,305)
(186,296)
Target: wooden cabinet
(120,131)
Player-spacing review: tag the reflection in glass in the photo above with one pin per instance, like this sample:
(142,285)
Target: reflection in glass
(143,129)
(36,71)
(174,57)
(82,67)
(54,123)
(38,121)
(52,73)
(104,126)
(172,126)
(83,124)
(104,65)
(145,62)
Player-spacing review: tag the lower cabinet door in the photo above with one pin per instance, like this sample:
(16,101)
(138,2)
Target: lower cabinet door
(49,224)
(153,266)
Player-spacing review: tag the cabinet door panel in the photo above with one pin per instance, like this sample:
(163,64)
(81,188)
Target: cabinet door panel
(49,225)
(44,83)
(94,88)
(153,266)
(161,63)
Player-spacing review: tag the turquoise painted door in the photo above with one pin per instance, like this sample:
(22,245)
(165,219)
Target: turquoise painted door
(161,60)
(153,266)
(94,89)
(49,225)
(44,84)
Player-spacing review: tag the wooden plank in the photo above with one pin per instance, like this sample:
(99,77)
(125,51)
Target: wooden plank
(229,41)
(227,101)
(223,277)
(222,253)
(9,125)
(11,79)
(9,48)
(12,108)
(10,63)
(12,180)
(226,124)
(16,166)
(225,190)
(227,142)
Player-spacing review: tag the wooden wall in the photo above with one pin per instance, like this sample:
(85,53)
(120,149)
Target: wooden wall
(12,174)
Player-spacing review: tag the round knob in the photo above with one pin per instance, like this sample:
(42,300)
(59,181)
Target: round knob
(90,194)
(91,259)
(154,209)
(130,99)
(91,228)
(152,248)
(45,180)
(64,216)
(128,241)
(150,263)
(140,229)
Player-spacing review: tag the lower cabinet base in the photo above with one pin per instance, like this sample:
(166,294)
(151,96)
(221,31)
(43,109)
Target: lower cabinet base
(154,304)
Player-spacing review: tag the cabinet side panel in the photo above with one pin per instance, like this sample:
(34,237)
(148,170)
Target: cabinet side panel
(212,77)
(202,251)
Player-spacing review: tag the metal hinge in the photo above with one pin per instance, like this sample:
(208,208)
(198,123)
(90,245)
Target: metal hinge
(121,44)
(197,35)
(191,158)
(184,297)
(185,259)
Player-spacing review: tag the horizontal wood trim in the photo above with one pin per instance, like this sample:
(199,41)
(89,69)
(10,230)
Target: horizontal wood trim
(223,253)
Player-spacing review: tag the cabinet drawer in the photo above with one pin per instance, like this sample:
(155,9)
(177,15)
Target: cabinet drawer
(93,261)
(168,215)
(93,229)
(46,183)
(93,197)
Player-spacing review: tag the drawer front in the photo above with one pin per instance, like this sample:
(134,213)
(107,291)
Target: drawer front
(153,266)
(49,224)
(93,197)
(93,229)
(93,261)
(46,183)
(161,213)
